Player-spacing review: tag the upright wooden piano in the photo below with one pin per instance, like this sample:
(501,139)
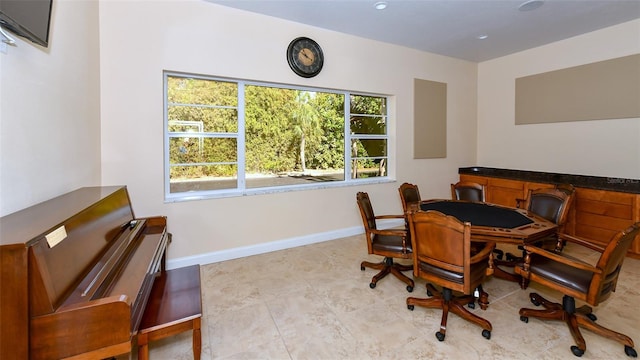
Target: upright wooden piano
(76,273)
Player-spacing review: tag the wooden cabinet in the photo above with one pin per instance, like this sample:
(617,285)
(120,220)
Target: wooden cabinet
(599,214)
(595,214)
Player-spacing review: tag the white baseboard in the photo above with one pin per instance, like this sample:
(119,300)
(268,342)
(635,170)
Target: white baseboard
(229,254)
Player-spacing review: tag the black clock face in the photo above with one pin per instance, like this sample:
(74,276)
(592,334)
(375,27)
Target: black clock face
(305,57)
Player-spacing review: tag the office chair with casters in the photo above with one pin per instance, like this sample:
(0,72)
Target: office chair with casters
(390,243)
(443,257)
(580,280)
(552,204)
(468,191)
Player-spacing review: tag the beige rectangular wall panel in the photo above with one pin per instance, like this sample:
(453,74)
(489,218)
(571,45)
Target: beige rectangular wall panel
(607,89)
(430,119)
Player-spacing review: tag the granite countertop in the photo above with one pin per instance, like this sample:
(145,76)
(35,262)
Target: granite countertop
(583,181)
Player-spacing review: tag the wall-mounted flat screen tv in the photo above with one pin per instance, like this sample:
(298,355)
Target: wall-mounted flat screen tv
(27,18)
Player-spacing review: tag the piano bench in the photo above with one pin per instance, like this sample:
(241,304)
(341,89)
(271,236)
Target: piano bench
(174,306)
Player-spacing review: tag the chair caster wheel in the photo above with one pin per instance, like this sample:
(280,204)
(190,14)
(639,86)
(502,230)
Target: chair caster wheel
(361,268)
(440,336)
(576,351)
(592,317)
(409,288)
(471,305)
(410,307)
(486,334)
(372,285)
(429,293)
(524,319)
(630,351)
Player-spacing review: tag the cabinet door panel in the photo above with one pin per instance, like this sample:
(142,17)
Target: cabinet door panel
(595,235)
(504,192)
(503,196)
(619,211)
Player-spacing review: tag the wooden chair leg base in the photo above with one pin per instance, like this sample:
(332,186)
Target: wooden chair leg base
(445,301)
(386,267)
(574,318)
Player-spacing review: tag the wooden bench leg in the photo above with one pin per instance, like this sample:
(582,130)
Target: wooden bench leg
(143,347)
(197,339)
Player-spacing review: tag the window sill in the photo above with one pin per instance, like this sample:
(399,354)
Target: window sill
(204,195)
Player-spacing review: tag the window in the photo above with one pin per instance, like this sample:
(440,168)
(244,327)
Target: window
(229,137)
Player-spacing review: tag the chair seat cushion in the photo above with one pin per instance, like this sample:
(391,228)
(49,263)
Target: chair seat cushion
(561,274)
(389,243)
(477,273)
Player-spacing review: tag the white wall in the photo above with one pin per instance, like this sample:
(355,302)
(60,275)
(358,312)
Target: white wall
(50,110)
(609,148)
(140,39)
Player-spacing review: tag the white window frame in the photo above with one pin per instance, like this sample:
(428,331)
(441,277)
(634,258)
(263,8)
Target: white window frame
(241,189)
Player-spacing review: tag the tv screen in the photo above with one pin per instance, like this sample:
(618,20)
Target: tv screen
(27,18)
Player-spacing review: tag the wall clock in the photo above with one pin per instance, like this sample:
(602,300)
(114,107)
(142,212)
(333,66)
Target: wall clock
(305,57)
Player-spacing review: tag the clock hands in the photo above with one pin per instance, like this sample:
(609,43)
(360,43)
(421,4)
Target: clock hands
(304,53)
(305,57)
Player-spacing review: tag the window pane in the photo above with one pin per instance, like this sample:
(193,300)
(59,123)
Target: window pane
(371,105)
(375,125)
(185,150)
(181,90)
(369,147)
(202,119)
(367,168)
(203,177)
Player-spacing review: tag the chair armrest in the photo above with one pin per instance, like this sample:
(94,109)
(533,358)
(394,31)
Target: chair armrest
(484,253)
(575,263)
(380,217)
(581,242)
(392,232)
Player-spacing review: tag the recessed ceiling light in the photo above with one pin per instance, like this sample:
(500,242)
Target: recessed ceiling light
(380,5)
(530,5)
(482,37)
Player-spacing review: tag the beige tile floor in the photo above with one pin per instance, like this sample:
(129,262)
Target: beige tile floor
(314,302)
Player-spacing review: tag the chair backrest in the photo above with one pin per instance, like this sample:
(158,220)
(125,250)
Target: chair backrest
(409,194)
(468,191)
(366,211)
(442,250)
(368,217)
(550,203)
(611,259)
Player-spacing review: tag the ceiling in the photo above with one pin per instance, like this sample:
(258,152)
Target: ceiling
(452,27)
